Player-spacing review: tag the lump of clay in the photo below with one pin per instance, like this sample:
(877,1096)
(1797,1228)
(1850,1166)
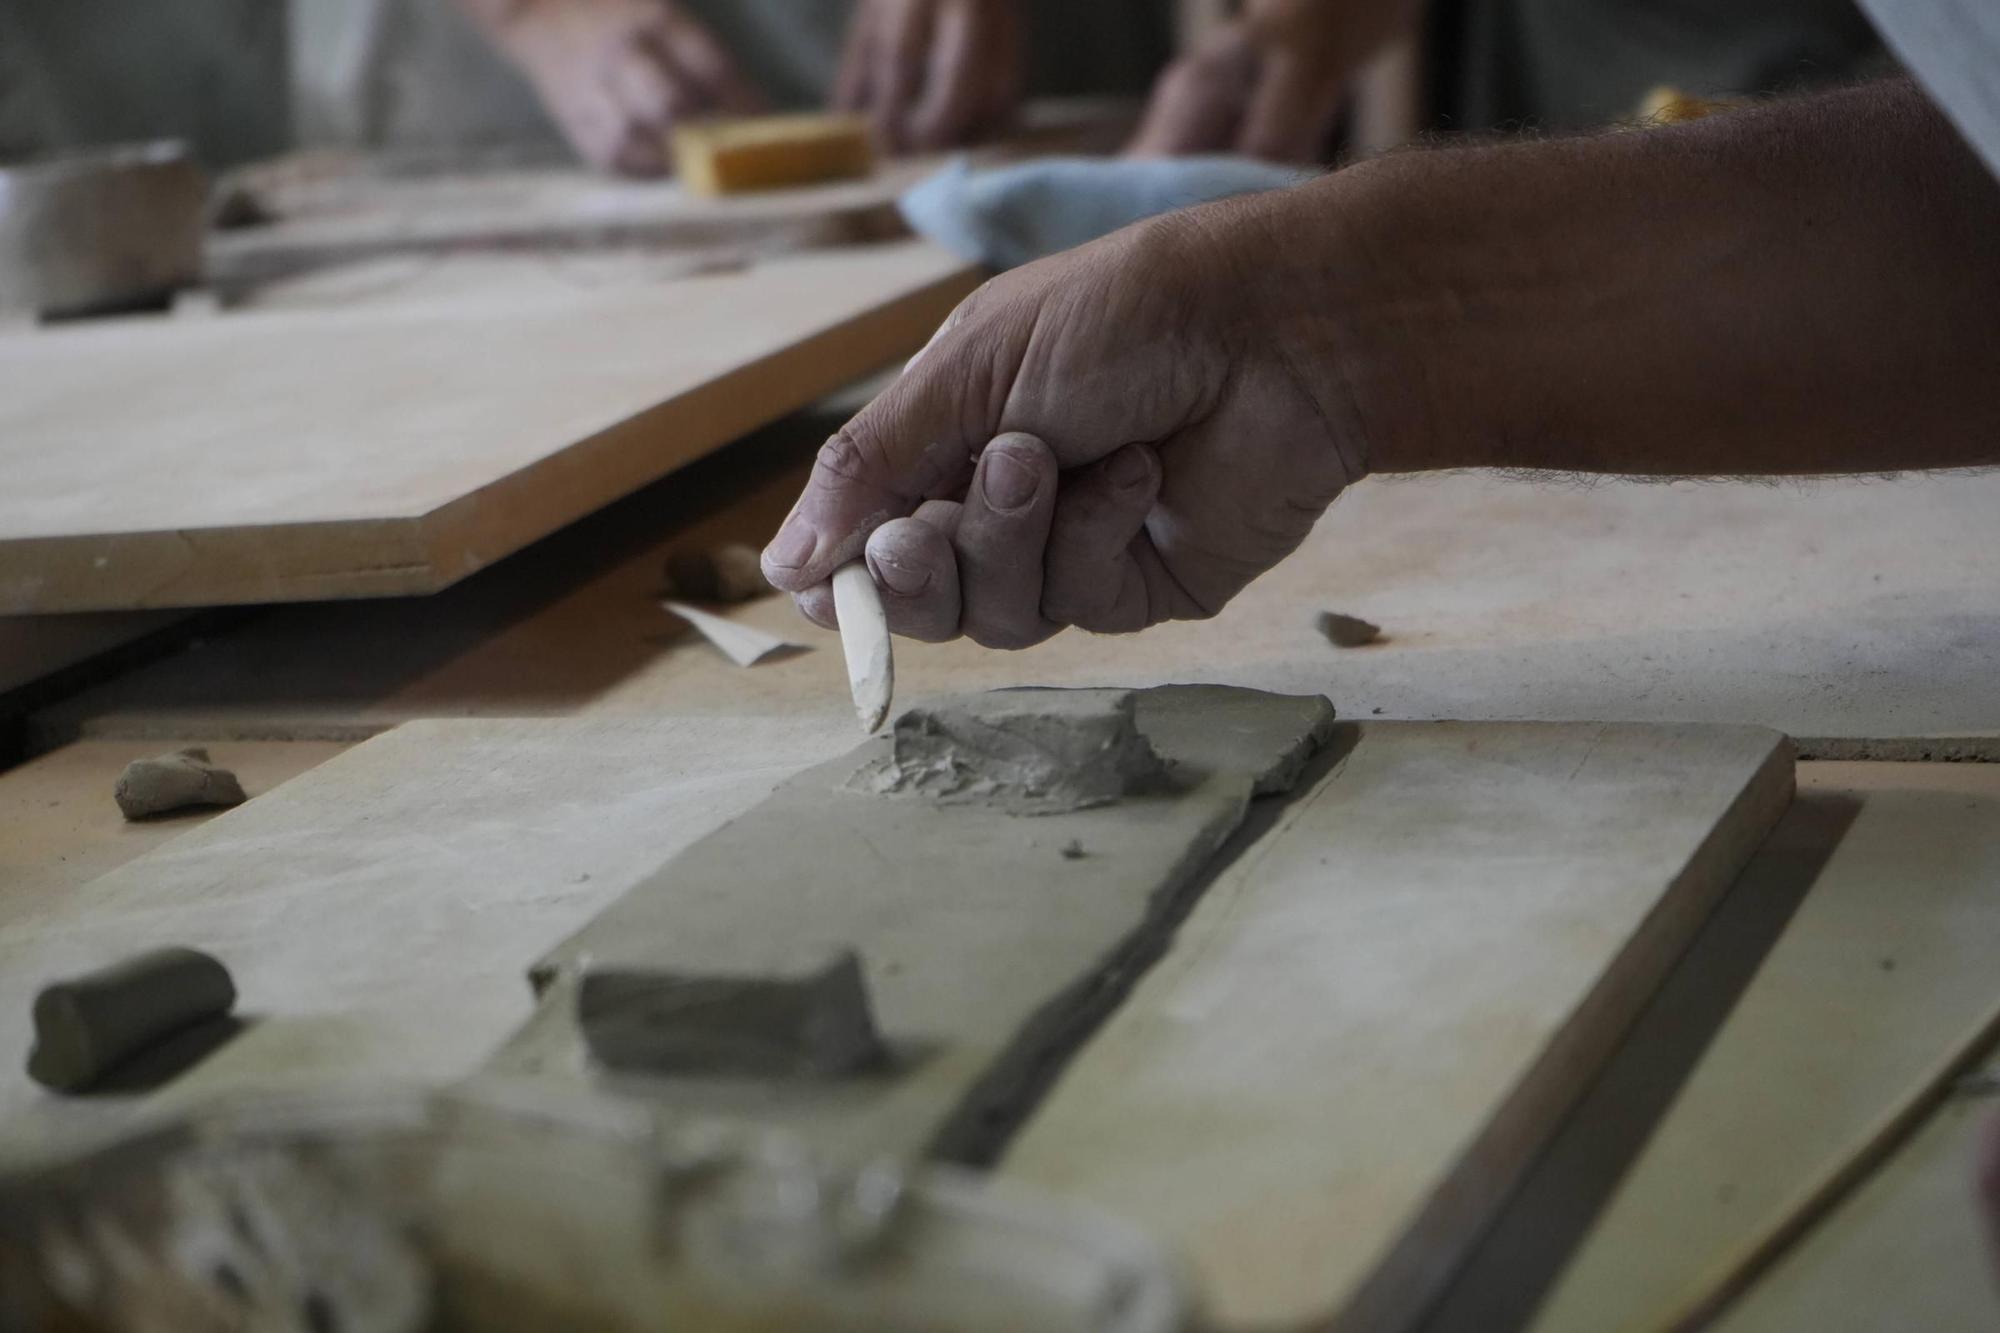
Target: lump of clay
(731,573)
(176,781)
(1028,752)
(1347,631)
(817,1022)
(86,1026)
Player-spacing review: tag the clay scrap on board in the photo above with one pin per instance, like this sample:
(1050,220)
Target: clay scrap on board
(1029,752)
(182,780)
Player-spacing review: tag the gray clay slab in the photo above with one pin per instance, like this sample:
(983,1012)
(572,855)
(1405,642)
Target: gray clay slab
(991,942)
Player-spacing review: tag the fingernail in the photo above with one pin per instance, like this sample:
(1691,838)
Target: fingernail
(1007,480)
(1129,469)
(901,579)
(792,547)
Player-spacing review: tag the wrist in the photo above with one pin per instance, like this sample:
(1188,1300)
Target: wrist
(1356,322)
(1392,276)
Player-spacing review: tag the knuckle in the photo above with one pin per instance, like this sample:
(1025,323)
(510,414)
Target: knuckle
(978,299)
(849,457)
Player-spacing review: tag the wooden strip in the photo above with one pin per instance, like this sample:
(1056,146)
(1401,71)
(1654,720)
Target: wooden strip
(374,451)
(1838,1180)
(1857,941)
(1371,1024)
(1908,1250)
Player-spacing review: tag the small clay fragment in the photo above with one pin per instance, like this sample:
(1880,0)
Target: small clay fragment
(815,1023)
(729,573)
(175,781)
(1347,631)
(1028,752)
(87,1025)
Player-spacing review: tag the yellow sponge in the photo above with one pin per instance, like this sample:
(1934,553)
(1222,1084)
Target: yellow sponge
(767,152)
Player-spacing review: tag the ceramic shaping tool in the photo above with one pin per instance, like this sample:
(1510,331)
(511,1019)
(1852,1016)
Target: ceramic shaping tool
(864,638)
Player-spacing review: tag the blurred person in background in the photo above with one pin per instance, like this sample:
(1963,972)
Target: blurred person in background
(1274,80)
(931,74)
(532,78)
(1270,79)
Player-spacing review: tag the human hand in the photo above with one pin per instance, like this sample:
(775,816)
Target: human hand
(1270,84)
(932,73)
(616,74)
(1119,435)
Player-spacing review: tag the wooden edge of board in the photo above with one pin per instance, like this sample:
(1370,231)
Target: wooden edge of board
(419,554)
(159,570)
(463,538)
(1415,1271)
(1837,1180)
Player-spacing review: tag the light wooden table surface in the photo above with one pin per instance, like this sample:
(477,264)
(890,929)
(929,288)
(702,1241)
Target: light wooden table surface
(1862,618)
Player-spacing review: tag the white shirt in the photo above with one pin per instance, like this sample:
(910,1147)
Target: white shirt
(1953,49)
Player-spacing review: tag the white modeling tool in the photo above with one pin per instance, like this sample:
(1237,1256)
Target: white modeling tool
(864,637)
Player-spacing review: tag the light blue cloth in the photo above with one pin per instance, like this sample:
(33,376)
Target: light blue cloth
(1004,216)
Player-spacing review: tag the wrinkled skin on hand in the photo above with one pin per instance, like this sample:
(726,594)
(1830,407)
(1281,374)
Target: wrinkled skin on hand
(616,74)
(1270,84)
(1109,438)
(932,74)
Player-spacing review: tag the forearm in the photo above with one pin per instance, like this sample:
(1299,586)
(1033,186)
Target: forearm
(1810,287)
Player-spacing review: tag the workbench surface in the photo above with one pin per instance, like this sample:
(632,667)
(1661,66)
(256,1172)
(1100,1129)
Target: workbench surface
(1860,616)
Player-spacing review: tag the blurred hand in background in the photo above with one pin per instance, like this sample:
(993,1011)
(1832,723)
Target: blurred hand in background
(1271,83)
(616,74)
(932,73)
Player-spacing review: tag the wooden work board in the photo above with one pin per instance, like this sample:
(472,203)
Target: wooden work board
(324,207)
(380,913)
(1854,950)
(394,447)
(334,213)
